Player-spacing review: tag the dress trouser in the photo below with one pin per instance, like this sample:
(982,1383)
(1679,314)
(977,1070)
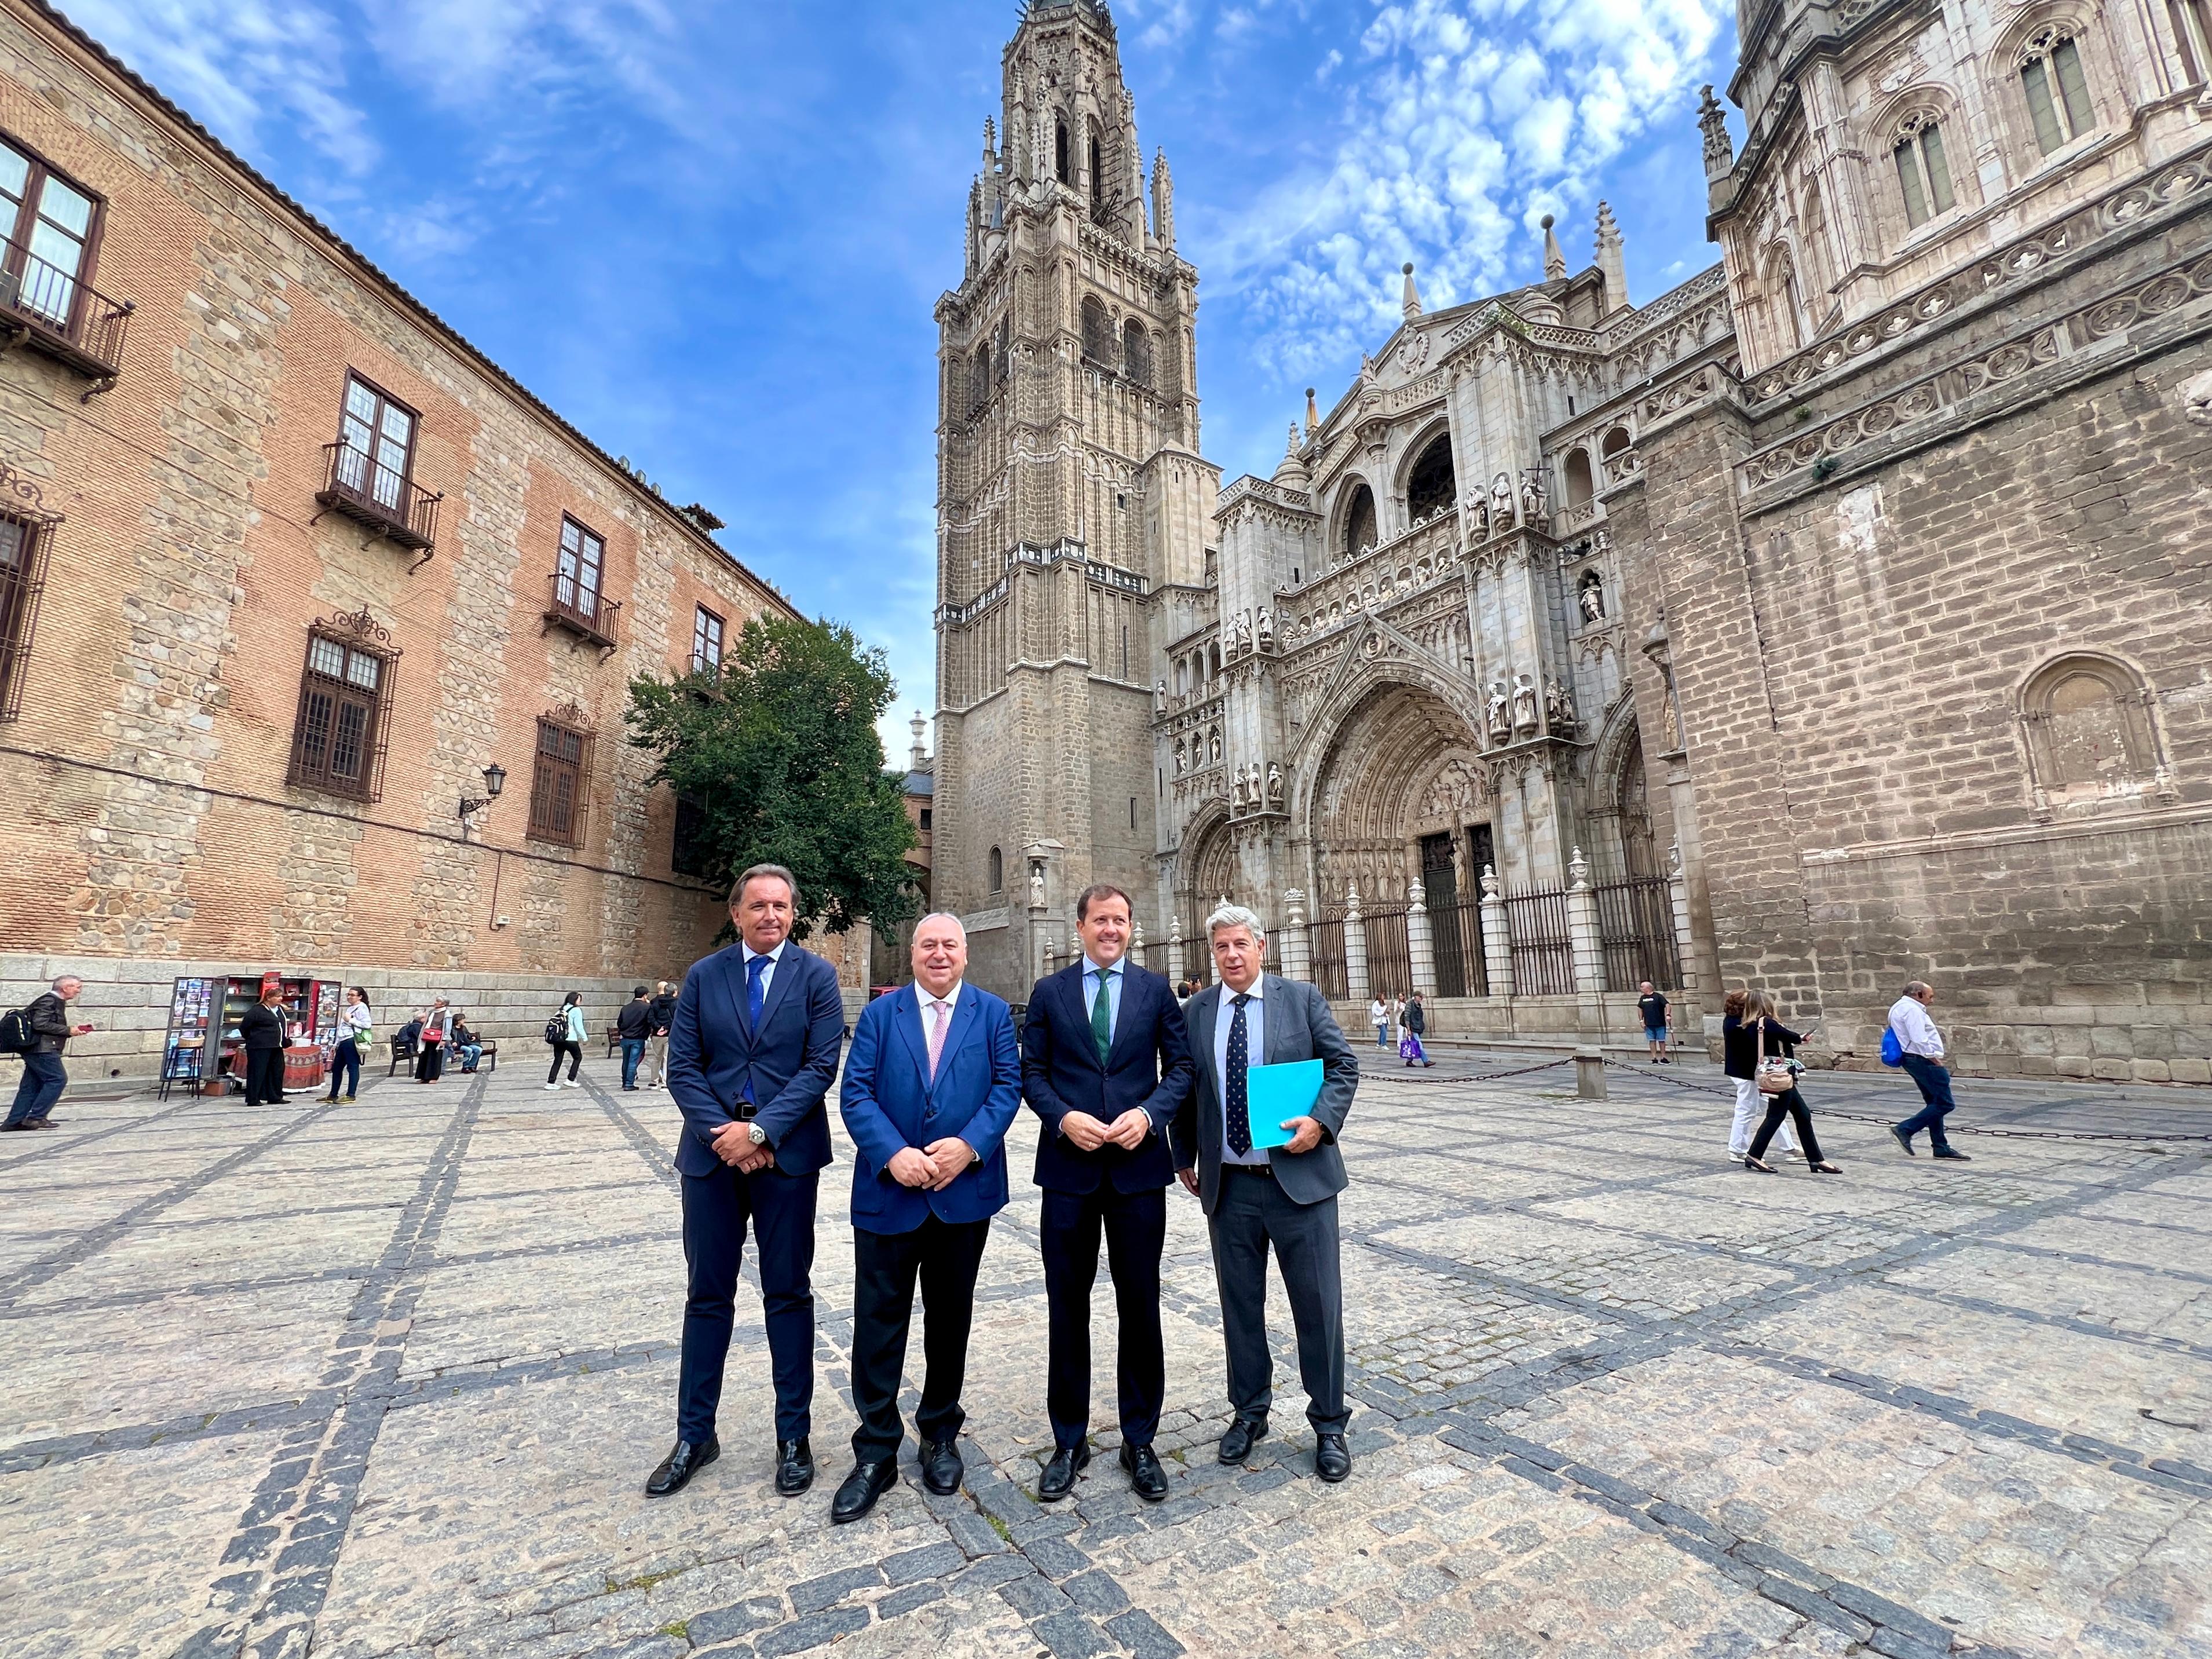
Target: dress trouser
(264,1077)
(44,1080)
(1934,1080)
(1251,1212)
(944,1256)
(656,1058)
(1750,1105)
(1135,1228)
(1791,1102)
(717,1208)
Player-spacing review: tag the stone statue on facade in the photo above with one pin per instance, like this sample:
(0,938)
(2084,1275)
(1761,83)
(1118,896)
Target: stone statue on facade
(1559,707)
(1524,703)
(1213,745)
(1182,757)
(1501,503)
(1159,697)
(1477,508)
(1501,719)
(1532,497)
(1036,890)
(1243,632)
(1238,800)
(1274,788)
(1591,596)
(1266,629)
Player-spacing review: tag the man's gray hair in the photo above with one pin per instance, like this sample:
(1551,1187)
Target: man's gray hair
(1235,915)
(941,915)
(760,871)
(61,979)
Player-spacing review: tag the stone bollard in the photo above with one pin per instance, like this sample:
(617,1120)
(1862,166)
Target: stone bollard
(1497,943)
(1297,957)
(1419,946)
(1590,1074)
(1174,951)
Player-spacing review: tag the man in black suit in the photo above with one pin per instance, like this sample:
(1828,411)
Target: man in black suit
(751,1053)
(1284,1196)
(1106,1065)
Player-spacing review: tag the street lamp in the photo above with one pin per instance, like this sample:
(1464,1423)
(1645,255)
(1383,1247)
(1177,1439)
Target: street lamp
(495,777)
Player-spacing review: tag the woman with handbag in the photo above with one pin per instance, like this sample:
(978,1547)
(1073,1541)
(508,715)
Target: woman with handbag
(565,1033)
(1775,1071)
(354,1030)
(437,1026)
(1738,1060)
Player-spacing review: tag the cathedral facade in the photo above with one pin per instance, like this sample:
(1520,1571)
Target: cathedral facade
(1832,620)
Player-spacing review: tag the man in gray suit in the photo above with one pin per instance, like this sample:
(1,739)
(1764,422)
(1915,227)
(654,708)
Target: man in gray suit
(1284,1196)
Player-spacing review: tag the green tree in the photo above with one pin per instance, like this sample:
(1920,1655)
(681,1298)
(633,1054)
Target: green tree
(778,750)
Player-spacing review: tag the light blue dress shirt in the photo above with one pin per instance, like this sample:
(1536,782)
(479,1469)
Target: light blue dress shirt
(1091,971)
(1255,1051)
(767,974)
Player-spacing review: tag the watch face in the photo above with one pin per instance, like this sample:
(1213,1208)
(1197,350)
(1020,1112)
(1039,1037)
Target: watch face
(759,1135)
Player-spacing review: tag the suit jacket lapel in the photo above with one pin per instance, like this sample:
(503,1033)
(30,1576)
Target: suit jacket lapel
(1135,1010)
(1078,1013)
(787,970)
(1203,1011)
(733,984)
(964,1016)
(908,999)
(1277,998)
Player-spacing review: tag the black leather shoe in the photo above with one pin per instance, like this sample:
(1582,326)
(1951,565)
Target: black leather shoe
(1954,1154)
(1146,1478)
(1059,1477)
(680,1465)
(867,1483)
(941,1468)
(794,1467)
(1332,1457)
(1237,1445)
(1897,1133)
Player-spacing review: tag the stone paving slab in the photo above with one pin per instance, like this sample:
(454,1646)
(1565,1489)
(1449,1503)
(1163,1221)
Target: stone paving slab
(384,1382)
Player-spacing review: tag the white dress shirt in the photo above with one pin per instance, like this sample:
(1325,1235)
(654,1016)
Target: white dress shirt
(1916,1032)
(928,1011)
(1255,1051)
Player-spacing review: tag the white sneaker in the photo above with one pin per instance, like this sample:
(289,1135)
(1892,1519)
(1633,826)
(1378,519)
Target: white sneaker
(573,1082)
(550,1087)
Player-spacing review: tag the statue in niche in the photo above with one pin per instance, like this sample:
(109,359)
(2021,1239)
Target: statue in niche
(1501,503)
(1524,703)
(1238,798)
(1590,594)
(1182,757)
(1244,641)
(1501,719)
(1213,745)
(1274,787)
(1266,629)
(1159,697)
(1532,497)
(1477,509)
(1559,707)
(1037,887)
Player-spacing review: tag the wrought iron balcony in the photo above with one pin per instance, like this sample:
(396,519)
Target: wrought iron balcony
(388,502)
(586,612)
(53,311)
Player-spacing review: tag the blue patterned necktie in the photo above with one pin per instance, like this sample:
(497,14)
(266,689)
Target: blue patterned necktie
(755,970)
(1239,1106)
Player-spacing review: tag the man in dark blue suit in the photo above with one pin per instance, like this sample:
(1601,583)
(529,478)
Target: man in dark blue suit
(1106,1064)
(752,1050)
(932,1083)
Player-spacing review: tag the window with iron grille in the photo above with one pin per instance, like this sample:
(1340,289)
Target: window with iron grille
(345,700)
(378,435)
(686,856)
(23,546)
(51,230)
(560,781)
(706,641)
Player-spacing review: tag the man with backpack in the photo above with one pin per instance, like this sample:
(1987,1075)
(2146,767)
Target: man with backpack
(1911,1037)
(39,1033)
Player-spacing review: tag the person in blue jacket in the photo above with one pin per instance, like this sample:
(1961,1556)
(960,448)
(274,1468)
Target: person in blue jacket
(932,1081)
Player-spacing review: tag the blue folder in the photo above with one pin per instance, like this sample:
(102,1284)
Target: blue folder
(1273,1093)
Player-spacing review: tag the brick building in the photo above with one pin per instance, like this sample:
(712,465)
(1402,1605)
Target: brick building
(286,566)
(1835,619)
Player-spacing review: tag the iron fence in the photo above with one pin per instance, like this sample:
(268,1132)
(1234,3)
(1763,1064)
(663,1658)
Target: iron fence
(1389,954)
(1456,936)
(1543,948)
(1636,925)
(1325,943)
(1154,955)
(65,313)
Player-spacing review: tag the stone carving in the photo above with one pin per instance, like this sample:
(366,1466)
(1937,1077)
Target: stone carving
(1213,744)
(1274,788)
(1477,509)
(1499,708)
(1559,707)
(1590,595)
(1720,149)
(1159,697)
(1578,869)
(1182,758)
(1253,787)
(2197,398)
(1501,503)
(1243,640)
(1524,703)
(1239,800)
(1037,887)
(1532,497)
(1491,887)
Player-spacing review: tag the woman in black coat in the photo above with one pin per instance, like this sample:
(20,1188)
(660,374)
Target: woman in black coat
(1741,1048)
(261,1031)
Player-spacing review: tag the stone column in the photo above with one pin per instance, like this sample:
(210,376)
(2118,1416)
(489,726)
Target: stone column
(1496,942)
(1588,951)
(1175,950)
(1418,943)
(1297,953)
(1355,948)
(1137,943)
(1678,901)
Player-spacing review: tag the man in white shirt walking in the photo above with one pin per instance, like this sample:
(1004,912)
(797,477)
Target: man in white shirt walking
(1923,1063)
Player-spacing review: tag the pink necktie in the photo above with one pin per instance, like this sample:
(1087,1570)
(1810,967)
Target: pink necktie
(936,1038)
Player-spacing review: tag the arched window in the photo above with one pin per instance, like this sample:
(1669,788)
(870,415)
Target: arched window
(1615,441)
(1580,485)
(1359,532)
(2089,731)
(979,380)
(1782,296)
(2192,33)
(1431,488)
(998,871)
(1060,151)
(1137,353)
(1097,333)
(1922,171)
(2057,91)
(1097,173)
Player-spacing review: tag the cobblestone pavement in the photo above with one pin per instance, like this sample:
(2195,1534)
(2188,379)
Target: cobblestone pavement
(386,1380)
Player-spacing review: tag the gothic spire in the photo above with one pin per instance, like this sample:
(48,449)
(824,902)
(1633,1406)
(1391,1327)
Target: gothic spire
(1413,295)
(1555,259)
(1720,149)
(1610,263)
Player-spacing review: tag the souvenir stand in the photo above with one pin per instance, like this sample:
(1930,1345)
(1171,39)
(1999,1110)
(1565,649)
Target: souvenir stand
(204,1048)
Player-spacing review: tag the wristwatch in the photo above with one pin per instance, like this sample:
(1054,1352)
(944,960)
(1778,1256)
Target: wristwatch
(759,1135)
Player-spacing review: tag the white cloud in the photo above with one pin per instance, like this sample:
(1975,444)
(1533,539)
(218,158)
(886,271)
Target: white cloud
(1463,120)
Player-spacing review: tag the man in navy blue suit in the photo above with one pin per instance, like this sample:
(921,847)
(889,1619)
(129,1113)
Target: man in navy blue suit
(752,1050)
(1106,1064)
(932,1083)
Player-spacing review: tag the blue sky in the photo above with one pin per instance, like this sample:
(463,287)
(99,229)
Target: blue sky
(711,235)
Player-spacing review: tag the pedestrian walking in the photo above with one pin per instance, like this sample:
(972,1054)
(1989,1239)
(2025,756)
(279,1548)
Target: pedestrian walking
(1259,1198)
(1652,1005)
(48,1031)
(353,1036)
(1920,1047)
(1378,1016)
(932,1081)
(1738,1060)
(751,1055)
(656,1044)
(1415,1023)
(1775,1071)
(565,1033)
(437,1027)
(634,1028)
(262,1032)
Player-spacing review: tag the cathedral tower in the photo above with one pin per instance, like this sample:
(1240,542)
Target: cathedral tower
(1073,505)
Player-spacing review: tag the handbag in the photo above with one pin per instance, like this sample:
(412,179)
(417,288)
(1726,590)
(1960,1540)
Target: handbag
(1775,1076)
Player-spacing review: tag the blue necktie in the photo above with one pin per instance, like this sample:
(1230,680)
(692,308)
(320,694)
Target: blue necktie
(755,970)
(1237,1108)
